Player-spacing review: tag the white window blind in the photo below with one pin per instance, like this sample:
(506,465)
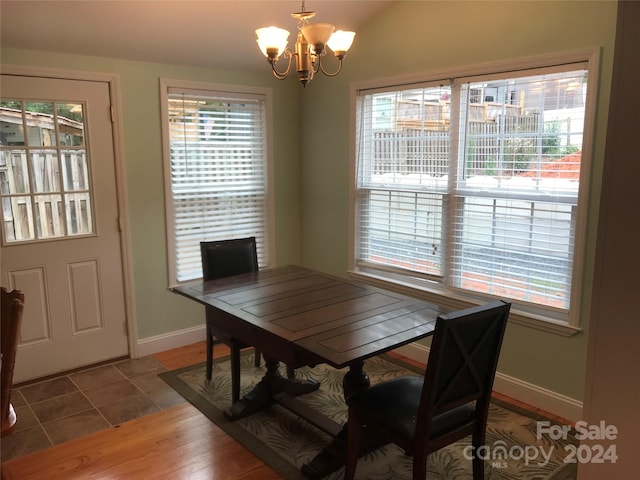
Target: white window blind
(517,186)
(403,167)
(218,173)
(472,184)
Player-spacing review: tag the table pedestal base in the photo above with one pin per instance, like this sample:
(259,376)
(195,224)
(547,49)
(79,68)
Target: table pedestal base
(262,394)
(333,456)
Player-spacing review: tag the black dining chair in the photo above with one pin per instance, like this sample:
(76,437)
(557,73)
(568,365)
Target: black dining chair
(451,401)
(224,258)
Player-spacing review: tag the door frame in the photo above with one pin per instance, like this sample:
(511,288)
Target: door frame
(113,80)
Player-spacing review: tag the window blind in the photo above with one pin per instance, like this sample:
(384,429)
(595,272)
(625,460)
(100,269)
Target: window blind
(516,191)
(218,173)
(403,154)
(473,183)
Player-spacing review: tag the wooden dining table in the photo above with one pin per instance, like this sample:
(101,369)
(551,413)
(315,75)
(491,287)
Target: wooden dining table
(304,317)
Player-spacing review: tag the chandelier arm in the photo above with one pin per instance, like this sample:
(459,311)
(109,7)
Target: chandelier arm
(282,75)
(316,64)
(334,73)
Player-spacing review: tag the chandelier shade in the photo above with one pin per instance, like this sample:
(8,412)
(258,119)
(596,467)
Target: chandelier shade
(310,47)
(340,42)
(317,34)
(272,41)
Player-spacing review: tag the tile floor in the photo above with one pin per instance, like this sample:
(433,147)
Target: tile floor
(72,405)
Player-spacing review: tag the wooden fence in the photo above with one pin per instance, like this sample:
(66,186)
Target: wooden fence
(511,140)
(47,198)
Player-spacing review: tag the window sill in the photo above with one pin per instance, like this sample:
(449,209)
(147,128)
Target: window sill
(454,302)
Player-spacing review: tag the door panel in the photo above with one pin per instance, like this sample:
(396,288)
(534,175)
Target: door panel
(37,328)
(61,241)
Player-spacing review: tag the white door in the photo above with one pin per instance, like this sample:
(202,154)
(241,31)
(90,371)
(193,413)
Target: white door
(60,231)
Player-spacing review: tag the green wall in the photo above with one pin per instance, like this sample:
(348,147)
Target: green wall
(157,310)
(312,189)
(415,36)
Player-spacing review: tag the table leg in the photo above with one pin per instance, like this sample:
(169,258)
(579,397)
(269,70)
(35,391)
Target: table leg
(333,456)
(261,396)
(355,380)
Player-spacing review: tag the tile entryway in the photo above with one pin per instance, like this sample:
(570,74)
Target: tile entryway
(72,405)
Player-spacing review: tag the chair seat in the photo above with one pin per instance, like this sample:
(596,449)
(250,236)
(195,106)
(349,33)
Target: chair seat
(395,404)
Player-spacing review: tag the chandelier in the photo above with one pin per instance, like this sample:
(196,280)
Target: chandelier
(313,38)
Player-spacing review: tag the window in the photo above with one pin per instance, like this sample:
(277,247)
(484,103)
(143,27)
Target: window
(44,171)
(216,171)
(470,187)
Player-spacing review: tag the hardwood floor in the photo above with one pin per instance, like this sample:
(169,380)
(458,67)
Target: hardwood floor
(176,443)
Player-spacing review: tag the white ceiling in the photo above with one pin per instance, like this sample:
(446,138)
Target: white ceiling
(212,33)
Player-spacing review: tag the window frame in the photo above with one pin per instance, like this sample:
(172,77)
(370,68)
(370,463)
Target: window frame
(211,88)
(542,318)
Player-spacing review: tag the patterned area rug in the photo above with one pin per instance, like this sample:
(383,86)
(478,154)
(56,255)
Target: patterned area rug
(286,442)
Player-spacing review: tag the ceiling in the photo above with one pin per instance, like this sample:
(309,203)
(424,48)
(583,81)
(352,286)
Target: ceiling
(213,33)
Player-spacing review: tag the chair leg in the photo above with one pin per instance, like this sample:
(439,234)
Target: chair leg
(235,372)
(209,353)
(419,466)
(256,360)
(478,468)
(478,439)
(353,446)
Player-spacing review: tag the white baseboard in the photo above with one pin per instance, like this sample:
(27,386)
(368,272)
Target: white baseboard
(167,341)
(528,393)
